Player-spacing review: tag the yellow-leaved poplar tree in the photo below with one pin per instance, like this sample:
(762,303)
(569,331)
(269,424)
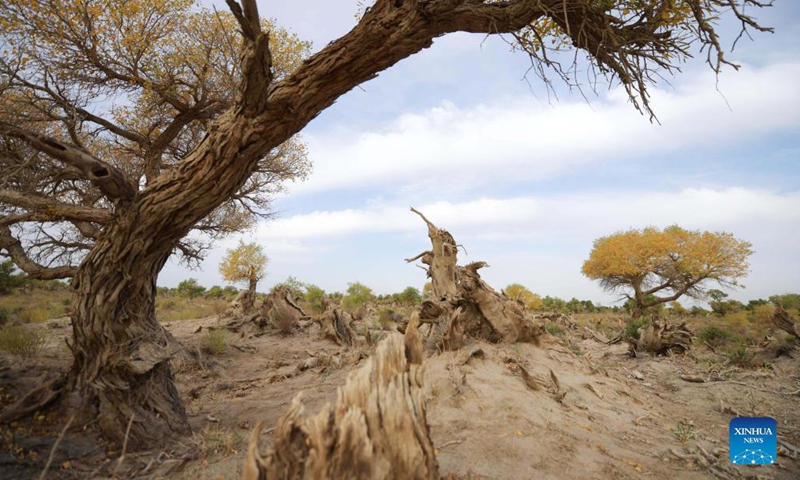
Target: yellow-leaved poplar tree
(245,264)
(653,266)
(520,293)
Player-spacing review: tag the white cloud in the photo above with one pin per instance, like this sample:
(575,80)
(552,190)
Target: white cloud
(525,138)
(566,215)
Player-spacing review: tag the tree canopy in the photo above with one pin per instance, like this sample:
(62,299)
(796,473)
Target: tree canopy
(244,264)
(660,266)
(98,99)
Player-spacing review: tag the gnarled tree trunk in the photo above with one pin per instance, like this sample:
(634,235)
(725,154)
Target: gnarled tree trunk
(121,368)
(460,296)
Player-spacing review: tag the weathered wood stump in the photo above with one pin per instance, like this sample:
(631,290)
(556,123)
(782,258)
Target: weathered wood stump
(461,296)
(785,322)
(376,429)
(661,338)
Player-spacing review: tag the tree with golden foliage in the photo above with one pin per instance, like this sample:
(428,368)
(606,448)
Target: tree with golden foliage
(660,266)
(127,124)
(245,264)
(520,293)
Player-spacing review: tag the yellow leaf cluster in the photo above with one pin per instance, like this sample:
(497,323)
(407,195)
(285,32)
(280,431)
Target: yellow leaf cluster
(245,263)
(672,254)
(518,292)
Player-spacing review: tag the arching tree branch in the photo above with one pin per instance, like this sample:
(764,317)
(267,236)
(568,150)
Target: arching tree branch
(46,209)
(106,177)
(17,253)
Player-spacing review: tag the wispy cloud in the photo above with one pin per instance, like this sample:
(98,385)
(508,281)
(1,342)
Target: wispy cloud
(527,139)
(568,214)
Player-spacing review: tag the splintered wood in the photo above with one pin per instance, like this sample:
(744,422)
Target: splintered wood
(377,429)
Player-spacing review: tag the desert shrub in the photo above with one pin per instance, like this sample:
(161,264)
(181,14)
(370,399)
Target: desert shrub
(714,335)
(38,314)
(762,314)
(8,279)
(554,329)
(19,340)
(357,295)
(632,329)
(215,292)
(190,288)
(410,296)
(314,296)
(739,356)
(214,342)
(3,316)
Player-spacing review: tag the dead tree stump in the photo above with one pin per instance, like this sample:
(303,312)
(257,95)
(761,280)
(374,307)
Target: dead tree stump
(377,428)
(661,338)
(461,296)
(279,310)
(785,322)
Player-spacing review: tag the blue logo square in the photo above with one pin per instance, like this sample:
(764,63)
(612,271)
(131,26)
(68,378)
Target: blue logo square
(753,440)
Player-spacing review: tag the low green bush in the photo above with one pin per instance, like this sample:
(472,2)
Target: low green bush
(19,340)
(634,324)
(214,342)
(714,335)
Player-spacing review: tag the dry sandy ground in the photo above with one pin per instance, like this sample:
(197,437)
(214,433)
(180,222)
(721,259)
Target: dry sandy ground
(612,417)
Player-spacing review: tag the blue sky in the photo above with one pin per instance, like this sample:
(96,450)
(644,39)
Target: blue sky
(525,180)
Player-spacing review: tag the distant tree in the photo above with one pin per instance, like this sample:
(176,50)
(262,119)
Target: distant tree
(9,279)
(245,264)
(314,296)
(215,292)
(190,288)
(294,285)
(230,291)
(789,301)
(677,309)
(518,292)
(672,263)
(574,305)
(721,306)
(357,295)
(753,304)
(409,296)
(427,290)
(554,304)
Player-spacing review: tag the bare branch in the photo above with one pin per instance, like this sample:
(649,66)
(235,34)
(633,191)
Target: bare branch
(47,209)
(16,251)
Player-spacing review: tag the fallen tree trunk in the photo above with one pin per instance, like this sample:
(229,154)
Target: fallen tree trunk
(785,322)
(377,428)
(461,296)
(662,338)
